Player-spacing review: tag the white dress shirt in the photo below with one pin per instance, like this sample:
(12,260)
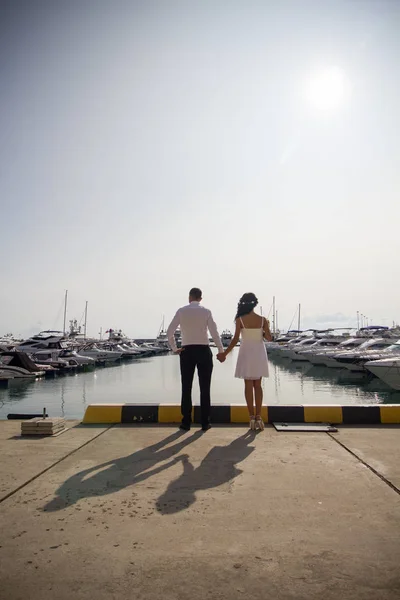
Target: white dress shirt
(194,320)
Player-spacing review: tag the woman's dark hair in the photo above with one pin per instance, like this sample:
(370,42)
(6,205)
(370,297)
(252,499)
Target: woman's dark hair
(246,304)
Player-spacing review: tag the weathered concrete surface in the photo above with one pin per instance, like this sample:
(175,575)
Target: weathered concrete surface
(23,458)
(149,513)
(380,451)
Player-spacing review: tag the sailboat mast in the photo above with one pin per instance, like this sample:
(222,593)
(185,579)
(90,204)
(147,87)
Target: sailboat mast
(298,322)
(273,316)
(65,309)
(84,330)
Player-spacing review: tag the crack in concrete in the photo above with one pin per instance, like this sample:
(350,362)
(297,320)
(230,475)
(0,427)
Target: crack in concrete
(374,471)
(20,487)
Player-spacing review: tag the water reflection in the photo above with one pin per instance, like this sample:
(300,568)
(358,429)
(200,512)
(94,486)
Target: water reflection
(157,380)
(345,387)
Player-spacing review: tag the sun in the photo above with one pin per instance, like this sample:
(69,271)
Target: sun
(325,90)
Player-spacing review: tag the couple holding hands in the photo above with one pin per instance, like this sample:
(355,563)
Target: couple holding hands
(252,364)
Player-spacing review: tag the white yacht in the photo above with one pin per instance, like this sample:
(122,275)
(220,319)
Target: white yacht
(359,359)
(387,369)
(280,343)
(162,338)
(8,342)
(135,349)
(67,356)
(19,366)
(354,360)
(178,337)
(126,351)
(293,348)
(99,355)
(226,337)
(44,340)
(325,357)
(323,344)
(153,348)
(5,375)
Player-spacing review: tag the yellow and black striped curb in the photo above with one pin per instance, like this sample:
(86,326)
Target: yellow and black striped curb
(167,413)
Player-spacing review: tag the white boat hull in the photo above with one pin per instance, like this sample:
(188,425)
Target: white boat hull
(4,376)
(102,356)
(332,363)
(387,370)
(20,373)
(353,367)
(317,360)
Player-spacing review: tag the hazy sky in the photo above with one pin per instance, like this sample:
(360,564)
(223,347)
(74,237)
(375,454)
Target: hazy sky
(151,146)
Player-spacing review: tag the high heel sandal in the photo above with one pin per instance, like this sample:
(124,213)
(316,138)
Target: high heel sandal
(252,423)
(259,423)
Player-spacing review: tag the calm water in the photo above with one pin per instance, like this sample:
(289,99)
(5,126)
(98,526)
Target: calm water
(157,380)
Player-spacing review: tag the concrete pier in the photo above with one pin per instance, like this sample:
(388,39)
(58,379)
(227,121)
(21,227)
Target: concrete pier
(149,512)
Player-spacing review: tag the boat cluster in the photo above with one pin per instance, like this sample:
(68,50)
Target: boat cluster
(51,352)
(373,351)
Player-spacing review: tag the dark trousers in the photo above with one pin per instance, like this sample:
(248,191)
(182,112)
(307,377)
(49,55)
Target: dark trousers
(190,358)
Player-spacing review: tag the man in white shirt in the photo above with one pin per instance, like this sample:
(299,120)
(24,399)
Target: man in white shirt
(195,321)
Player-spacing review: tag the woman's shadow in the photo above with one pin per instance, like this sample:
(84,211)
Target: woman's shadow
(216,468)
(120,473)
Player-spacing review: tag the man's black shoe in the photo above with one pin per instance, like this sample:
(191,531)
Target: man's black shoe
(184,427)
(206,427)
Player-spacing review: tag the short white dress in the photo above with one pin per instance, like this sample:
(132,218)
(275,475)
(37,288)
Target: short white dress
(252,362)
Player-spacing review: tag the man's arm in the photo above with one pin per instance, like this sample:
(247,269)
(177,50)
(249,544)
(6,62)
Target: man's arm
(171,330)
(214,333)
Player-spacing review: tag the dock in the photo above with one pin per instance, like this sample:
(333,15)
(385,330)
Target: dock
(148,512)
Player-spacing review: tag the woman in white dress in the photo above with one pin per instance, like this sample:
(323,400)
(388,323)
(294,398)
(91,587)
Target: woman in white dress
(252,362)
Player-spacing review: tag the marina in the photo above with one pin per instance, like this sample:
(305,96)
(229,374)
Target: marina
(157,379)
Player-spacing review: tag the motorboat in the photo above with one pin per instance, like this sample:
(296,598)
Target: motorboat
(19,365)
(45,340)
(126,351)
(162,338)
(72,355)
(178,337)
(98,354)
(143,351)
(226,338)
(280,342)
(359,359)
(292,351)
(8,342)
(387,369)
(324,357)
(354,360)
(61,358)
(154,349)
(6,375)
(285,350)
(304,355)
(134,349)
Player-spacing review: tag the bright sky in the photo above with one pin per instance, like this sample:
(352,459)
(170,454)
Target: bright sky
(148,147)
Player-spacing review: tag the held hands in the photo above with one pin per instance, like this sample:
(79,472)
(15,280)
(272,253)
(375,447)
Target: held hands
(179,351)
(221,356)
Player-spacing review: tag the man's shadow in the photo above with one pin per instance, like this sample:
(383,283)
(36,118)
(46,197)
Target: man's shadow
(216,468)
(120,473)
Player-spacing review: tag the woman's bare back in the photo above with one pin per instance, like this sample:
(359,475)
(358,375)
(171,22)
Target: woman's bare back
(252,321)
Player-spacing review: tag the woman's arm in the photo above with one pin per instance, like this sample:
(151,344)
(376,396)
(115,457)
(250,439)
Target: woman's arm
(267,331)
(235,338)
